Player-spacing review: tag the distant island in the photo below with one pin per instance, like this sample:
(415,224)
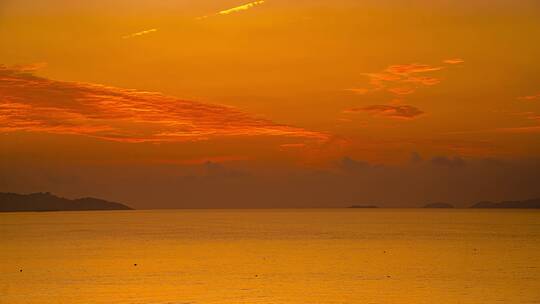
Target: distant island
(439,205)
(363,206)
(13,202)
(526,204)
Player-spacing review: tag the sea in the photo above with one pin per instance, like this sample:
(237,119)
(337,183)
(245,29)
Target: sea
(271,256)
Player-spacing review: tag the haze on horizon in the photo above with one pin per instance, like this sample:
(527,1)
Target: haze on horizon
(228,103)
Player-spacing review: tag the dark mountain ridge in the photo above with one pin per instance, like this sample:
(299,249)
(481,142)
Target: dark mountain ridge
(13,202)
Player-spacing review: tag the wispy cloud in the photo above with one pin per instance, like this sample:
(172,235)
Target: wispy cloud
(35,104)
(402,90)
(535,117)
(530,97)
(235,9)
(391,111)
(422,80)
(402,79)
(528,115)
(30,67)
(407,69)
(139,33)
(529,129)
(454,61)
(399,79)
(240,8)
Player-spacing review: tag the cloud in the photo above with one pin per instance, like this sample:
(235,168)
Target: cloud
(34,104)
(529,129)
(32,67)
(530,97)
(528,115)
(236,9)
(399,79)
(391,111)
(402,90)
(454,61)
(534,117)
(407,69)
(139,33)
(422,80)
(240,8)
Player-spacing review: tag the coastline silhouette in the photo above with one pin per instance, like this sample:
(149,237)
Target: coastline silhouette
(45,201)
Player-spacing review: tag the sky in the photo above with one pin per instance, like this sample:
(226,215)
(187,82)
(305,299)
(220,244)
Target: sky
(274,103)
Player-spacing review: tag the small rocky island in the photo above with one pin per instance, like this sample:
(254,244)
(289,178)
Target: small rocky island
(439,205)
(526,204)
(13,202)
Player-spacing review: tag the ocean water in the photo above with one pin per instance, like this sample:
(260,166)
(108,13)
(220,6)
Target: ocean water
(271,256)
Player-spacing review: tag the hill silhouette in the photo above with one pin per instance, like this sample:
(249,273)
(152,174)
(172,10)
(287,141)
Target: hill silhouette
(13,202)
(526,204)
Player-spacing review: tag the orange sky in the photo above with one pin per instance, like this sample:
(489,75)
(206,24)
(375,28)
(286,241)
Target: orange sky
(268,86)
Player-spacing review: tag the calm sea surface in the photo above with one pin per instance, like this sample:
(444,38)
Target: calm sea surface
(271,256)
